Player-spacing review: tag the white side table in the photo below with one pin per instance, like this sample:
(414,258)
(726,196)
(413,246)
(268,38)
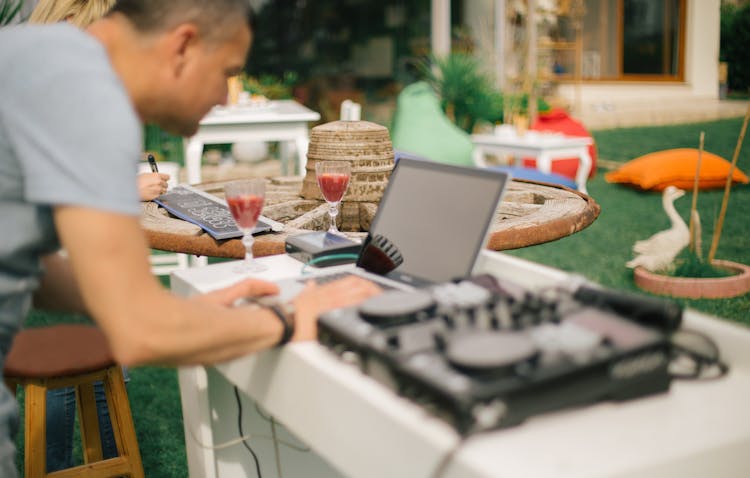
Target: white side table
(545,148)
(283,120)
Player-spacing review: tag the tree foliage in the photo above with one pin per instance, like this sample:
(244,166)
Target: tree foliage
(735,37)
(9,10)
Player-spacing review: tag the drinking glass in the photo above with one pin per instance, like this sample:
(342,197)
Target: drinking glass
(333,179)
(245,198)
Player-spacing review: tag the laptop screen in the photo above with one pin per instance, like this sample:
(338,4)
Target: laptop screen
(433,219)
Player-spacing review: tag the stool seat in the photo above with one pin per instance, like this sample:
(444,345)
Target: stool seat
(78,356)
(59,351)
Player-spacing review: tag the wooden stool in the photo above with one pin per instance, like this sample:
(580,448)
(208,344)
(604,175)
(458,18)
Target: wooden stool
(72,356)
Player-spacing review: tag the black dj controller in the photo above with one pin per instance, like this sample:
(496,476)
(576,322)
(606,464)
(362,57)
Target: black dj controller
(486,355)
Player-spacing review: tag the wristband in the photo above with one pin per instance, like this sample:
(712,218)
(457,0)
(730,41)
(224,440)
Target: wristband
(287,321)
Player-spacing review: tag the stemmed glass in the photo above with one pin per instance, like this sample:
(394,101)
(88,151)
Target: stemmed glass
(245,198)
(333,179)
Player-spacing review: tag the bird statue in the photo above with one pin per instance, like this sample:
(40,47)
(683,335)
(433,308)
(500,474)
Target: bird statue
(658,251)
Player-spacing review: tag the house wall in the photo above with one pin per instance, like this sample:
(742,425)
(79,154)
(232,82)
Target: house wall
(701,76)
(702,47)
(479,15)
(701,66)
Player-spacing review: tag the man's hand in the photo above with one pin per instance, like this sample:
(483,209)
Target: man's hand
(246,288)
(313,301)
(146,324)
(317,299)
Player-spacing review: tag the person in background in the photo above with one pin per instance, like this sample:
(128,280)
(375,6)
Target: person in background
(80,13)
(69,181)
(83,13)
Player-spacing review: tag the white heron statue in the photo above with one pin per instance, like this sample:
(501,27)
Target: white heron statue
(658,251)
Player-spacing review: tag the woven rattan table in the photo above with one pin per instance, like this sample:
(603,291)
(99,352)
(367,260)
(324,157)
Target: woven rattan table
(530,213)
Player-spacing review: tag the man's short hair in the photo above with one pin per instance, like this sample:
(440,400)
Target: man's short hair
(211,16)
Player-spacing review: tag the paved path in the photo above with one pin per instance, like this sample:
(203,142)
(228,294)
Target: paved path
(604,115)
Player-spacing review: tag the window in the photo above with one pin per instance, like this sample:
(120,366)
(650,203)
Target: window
(633,40)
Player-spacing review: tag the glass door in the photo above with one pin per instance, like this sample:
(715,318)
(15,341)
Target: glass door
(633,40)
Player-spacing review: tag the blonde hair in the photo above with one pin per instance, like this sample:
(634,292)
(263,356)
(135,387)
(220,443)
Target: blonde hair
(80,13)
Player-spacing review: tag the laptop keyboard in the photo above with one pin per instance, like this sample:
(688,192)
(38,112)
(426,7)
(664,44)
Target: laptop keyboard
(324,279)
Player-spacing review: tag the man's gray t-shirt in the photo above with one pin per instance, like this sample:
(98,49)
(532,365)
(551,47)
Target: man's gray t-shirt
(68,136)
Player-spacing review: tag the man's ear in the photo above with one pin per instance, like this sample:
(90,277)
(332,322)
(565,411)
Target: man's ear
(180,43)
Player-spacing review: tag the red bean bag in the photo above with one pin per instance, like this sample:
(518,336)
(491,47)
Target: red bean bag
(559,121)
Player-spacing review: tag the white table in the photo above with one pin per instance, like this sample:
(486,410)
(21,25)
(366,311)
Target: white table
(545,148)
(283,120)
(359,428)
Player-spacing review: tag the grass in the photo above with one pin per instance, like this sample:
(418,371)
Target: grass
(688,264)
(599,253)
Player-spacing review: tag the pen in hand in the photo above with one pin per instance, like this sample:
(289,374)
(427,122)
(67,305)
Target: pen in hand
(152,163)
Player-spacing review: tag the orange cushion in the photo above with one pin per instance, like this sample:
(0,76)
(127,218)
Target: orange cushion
(675,167)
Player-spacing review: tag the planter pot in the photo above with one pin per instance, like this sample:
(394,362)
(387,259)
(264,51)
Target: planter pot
(697,288)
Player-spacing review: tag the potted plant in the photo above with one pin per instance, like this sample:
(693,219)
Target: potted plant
(466,93)
(517,110)
(696,279)
(690,275)
(269,86)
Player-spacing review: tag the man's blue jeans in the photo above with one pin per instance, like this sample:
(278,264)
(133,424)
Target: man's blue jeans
(61,414)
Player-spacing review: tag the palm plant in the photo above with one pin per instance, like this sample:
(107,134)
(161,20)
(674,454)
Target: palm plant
(9,9)
(467,94)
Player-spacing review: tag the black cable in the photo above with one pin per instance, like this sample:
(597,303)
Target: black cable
(448,457)
(262,415)
(327,257)
(697,354)
(272,421)
(242,434)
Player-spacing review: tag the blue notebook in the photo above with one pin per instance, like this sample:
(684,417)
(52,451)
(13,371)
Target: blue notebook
(209,212)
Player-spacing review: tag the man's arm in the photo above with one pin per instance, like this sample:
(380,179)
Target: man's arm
(146,324)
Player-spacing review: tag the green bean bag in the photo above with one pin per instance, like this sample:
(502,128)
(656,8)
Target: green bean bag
(420,127)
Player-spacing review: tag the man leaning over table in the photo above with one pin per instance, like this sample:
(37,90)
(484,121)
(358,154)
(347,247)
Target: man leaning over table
(61,402)
(70,124)
(82,13)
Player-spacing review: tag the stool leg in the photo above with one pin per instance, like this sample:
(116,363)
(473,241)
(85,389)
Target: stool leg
(123,427)
(35,418)
(90,442)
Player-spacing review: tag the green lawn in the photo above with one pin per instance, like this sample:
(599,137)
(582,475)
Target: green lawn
(598,253)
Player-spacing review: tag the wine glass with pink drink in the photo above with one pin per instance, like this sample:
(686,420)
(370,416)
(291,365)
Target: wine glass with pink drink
(245,198)
(333,179)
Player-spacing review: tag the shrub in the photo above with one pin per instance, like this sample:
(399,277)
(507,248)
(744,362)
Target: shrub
(735,37)
(9,10)
(466,93)
(270,86)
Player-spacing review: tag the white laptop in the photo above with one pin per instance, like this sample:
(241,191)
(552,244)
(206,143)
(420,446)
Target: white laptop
(429,227)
